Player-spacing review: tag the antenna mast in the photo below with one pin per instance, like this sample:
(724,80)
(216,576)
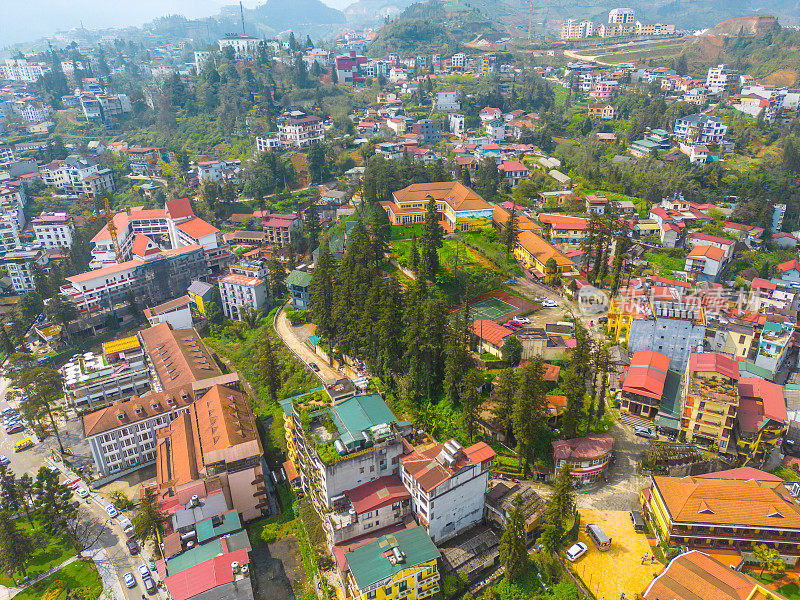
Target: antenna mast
(241,12)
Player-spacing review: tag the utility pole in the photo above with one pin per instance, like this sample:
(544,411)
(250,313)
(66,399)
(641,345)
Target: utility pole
(241,13)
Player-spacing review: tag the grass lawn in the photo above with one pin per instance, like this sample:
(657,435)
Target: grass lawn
(786,473)
(404,232)
(790,590)
(665,262)
(80,577)
(283,525)
(560,93)
(54,552)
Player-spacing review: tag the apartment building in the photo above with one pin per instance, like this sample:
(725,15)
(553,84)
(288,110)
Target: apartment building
(268,142)
(53,229)
(367,509)
(9,234)
(237,291)
(621,16)
(574,29)
(175,225)
(144,161)
(774,345)
(722,79)
(727,510)
(401,565)
(99,107)
(92,380)
(17,264)
(654,28)
(152,279)
(217,170)
(430,132)
(123,434)
(244,46)
(178,313)
(356,441)
(761,418)
(19,69)
(710,401)
(215,445)
(448,485)
(459,208)
(300,132)
(279,230)
(77,175)
(448,101)
(299,285)
(30,109)
(704,263)
(349,67)
(700,129)
(176,356)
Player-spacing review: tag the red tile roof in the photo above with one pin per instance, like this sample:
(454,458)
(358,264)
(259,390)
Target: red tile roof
(590,446)
(789,266)
(197,228)
(491,332)
(430,473)
(646,374)
(743,473)
(239,279)
(179,208)
(767,397)
(763,284)
(376,494)
(205,576)
(714,362)
(513,165)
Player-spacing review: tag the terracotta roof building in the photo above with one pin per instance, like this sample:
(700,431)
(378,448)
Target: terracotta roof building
(761,416)
(643,385)
(697,576)
(490,336)
(588,457)
(177,356)
(533,252)
(724,513)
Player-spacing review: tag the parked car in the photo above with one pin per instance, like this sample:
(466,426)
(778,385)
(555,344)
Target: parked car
(522,320)
(82,493)
(576,551)
(314,367)
(133,547)
(144,571)
(129,580)
(112,512)
(14,428)
(149,585)
(638,521)
(645,432)
(4,459)
(73,483)
(549,303)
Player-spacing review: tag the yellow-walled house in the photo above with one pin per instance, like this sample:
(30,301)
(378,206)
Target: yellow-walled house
(199,293)
(533,252)
(401,565)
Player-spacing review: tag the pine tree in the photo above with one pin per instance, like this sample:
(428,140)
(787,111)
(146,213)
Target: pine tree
(575,391)
(513,548)
(312,226)
(510,233)
(380,230)
(267,366)
(5,340)
(322,292)
(334,75)
(431,242)
(505,392)
(390,327)
(530,409)
(16,547)
(561,503)
(471,402)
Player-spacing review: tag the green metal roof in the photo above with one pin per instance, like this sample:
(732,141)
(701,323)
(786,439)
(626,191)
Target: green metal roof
(671,397)
(286,405)
(206,529)
(194,557)
(298,278)
(745,366)
(368,565)
(358,413)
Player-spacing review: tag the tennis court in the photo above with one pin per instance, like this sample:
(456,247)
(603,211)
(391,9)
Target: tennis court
(490,308)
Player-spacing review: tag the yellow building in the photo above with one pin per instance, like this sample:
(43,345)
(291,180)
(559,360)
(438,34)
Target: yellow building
(620,318)
(761,419)
(533,252)
(602,111)
(402,565)
(459,208)
(199,293)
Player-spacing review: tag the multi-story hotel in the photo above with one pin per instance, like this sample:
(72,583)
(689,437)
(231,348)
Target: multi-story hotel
(301,131)
(237,291)
(711,400)
(727,510)
(458,207)
(53,230)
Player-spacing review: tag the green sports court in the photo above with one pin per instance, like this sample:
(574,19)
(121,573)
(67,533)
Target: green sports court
(490,308)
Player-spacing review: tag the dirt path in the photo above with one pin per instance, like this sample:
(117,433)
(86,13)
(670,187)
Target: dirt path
(285,330)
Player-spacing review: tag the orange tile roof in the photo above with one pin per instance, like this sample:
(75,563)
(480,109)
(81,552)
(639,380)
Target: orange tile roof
(454,193)
(149,405)
(712,252)
(541,249)
(490,331)
(696,576)
(178,356)
(240,279)
(197,228)
(224,419)
(501,216)
(422,465)
(178,460)
(728,502)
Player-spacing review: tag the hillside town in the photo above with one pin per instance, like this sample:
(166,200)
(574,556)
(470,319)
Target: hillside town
(299,318)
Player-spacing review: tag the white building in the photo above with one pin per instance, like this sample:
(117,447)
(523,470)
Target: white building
(120,372)
(458,60)
(268,142)
(216,170)
(123,434)
(700,128)
(53,230)
(447,484)
(237,291)
(317,55)
(496,129)
(9,234)
(301,131)
(19,69)
(457,123)
(18,265)
(31,110)
(200,59)
(243,45)
(177,312)
(77,175)
(621,16)
(448,101)
(722,79)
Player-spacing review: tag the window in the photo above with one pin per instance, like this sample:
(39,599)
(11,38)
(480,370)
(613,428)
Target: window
(402,586)
(361,470)
(371,594)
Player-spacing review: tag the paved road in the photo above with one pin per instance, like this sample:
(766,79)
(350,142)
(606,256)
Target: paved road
(113,539)
(289,337)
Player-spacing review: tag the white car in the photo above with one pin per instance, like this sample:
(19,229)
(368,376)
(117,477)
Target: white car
(4,459)
(522,320)
(82,493)
(549,303)
(129,580)
(112,511)
(144,571)
(576,551)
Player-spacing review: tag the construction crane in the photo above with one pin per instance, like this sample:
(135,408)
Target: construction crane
(112,230)
(530,15)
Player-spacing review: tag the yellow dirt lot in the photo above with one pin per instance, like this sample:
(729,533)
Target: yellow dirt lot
(619,569)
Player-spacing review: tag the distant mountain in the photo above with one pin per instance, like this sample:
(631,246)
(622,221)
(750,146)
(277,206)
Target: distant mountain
(279,15)
(373,12)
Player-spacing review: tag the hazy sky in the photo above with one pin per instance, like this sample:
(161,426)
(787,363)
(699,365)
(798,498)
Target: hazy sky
(27,20)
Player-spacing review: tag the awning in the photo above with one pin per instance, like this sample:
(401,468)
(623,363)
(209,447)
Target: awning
(291,472)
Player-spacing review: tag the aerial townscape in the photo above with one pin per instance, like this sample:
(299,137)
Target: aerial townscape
(396,300)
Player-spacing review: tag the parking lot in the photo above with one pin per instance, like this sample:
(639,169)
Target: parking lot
(619,569)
